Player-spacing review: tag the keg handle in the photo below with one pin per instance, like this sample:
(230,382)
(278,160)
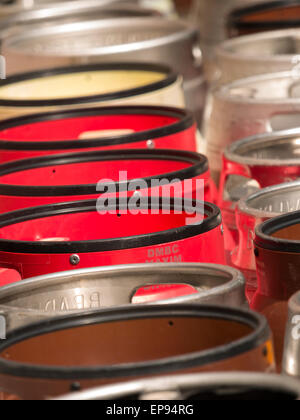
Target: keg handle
(230,169)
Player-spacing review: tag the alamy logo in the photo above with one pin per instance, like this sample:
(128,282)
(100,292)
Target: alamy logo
(2,67)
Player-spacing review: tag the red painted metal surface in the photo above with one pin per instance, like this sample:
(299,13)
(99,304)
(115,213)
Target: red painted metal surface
(97,129)
(64,236)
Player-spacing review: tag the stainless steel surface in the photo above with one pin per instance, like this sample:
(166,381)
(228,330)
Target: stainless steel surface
(247,107)
(156,40)
(291,357)
(277,149)
(272,201)
(263,53)
(115,40)
(65,12)
(219,386)
(50,295)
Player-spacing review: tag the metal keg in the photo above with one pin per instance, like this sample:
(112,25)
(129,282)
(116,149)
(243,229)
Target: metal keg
(98,288)
(105,128)
(89,86)
(156,40)
(49,239)
(263,53)
(264,17)
(254,163)
(291,359)
(212,16)
(93,175)
(277,248)
(233,386)
(254,210)
(248,107)
(172,339)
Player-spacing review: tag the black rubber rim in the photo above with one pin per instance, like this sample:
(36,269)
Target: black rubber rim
(265,230)
(257,338)
(212,221)
(169,79)
(235,17)
(186,121)
(198,166)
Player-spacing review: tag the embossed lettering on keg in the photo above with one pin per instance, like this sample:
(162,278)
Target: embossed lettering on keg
(42,240)
(247,107)
(89,86)
(198,387)
(99,288)
(268,52)
(173,339)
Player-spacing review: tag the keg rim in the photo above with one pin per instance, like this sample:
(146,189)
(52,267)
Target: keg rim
(245,203)
(259,336)
(198,166)
(234,19)
(185,121)
(264,231)
(200,382)
(182,32)
(233,278)
(169,79)
(213,220)
(231,152)
(225,94)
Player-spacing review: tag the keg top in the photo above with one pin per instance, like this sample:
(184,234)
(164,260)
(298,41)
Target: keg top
(281,233)
(85,84)
(250,330)
(273,201)
(281,45)
(46,217)
(109,39)
(276,88)
(276,149)
(76,174)
(117,286)
(219,386)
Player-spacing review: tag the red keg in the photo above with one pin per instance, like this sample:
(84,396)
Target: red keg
(80,176)
(127,127)
(256,162)
(59,237)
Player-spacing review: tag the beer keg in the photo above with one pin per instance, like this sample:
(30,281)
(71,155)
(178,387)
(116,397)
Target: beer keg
(277,245)
(250,213)
(268,52)
(248,107)
(85,234)
(253,163)
(233,386)
(264,17)
(211,16)
(81,176)
(291,358)
(126,127)
(52,357)
(156,40)
(99,288)
(89,86)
